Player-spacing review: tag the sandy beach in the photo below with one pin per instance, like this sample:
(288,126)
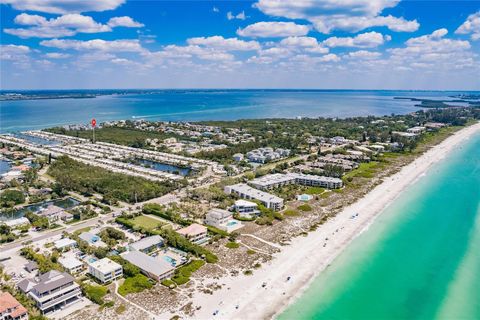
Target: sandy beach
(243,297)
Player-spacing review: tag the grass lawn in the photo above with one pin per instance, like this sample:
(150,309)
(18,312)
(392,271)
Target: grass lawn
(148,223)
(314,190)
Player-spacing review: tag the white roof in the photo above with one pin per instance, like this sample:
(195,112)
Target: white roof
(16,222)
(65,242)
(70,262)
(147,242)
(219,213)
(271,179)
(105,265)
(149,264)
(255,193)
(245,203)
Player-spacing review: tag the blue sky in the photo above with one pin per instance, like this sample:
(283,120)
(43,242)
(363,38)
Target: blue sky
(361,44)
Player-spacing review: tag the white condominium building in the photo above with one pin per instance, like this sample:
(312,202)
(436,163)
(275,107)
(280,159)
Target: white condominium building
(244,191)
(277,180)
(105,270)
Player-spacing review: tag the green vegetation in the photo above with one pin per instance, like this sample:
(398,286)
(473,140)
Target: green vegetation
(129,270)
(364,170)
(37,221)
(146,223)
(290,213)
(314,190)
(232,245)
(134,284)
(6,234)
(250,251)
(120,309)
(305,207)
(182,274)
(162,212)
(95,293)
(45,263)
(111,236)
(168,283)
(86,179)
(124,136)
(11,197)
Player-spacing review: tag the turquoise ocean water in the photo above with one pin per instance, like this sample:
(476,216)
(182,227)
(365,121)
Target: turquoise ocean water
(419,260)
(196,105)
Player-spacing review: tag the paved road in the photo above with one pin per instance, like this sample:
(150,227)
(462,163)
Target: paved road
(56,232)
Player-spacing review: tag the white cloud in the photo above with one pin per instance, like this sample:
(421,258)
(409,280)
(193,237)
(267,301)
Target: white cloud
(13,52)
(329,15)
(229,44)
(471,26)
(96,45)
(435,51)
(215,9)
(330,58)
(56,55)
(64,6)
(364,54)
(239,16)
(275,52)
(364,40)
(66,25)
(124,21)
(273,30)
(308,44)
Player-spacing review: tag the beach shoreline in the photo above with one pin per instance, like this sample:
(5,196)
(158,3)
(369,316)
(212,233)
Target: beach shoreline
(243,297)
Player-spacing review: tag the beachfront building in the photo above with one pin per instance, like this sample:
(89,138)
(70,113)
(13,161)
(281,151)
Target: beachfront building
(277,180)
(52,290)
(222,219)
(416,130)
(271,181)
(71,264)
(147,244)
(404,134)
(316,181)
(244,191)
(195,233)
(246,208)
(434,125)
(10,308)
(105,270)
(64,244)
(157,269)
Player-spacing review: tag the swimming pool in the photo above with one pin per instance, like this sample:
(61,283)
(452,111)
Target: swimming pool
(170,260)
(231,223)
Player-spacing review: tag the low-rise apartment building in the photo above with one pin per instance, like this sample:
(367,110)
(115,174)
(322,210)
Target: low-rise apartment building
(147,244)
(277,180)
(157,269)
(244,191)
(105,270)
